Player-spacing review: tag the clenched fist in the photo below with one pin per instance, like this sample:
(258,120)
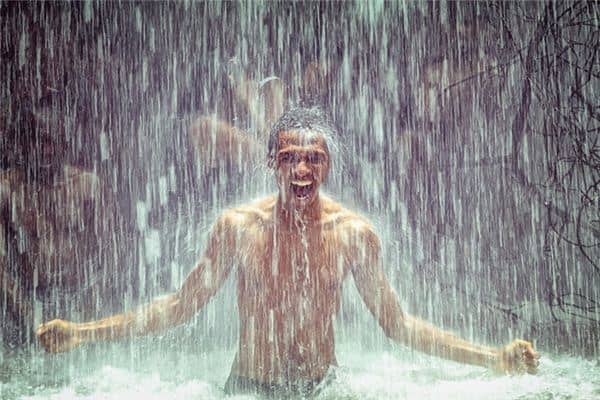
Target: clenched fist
(517,358)
(58,336)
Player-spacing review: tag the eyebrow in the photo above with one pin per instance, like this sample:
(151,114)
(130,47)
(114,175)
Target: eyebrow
(307,151)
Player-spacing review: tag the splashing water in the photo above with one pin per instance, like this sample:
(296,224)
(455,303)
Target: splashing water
(363,374)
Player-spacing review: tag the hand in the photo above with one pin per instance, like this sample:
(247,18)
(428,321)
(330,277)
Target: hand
(58,336)
(517,358)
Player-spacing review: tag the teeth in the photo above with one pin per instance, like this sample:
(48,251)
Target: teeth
(301,183)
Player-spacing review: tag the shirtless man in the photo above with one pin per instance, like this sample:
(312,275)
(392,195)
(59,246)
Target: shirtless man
(290,253)
(51,226)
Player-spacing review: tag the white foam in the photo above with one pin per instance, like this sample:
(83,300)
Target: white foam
(394,374)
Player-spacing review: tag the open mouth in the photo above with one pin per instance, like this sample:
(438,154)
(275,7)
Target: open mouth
(302,189)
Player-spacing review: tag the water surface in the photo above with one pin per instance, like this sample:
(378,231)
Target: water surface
(158,369)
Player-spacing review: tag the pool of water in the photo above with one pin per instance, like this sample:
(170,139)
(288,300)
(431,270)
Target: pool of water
(163,369)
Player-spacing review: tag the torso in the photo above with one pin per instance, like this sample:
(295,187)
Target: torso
(289,286)
(53,224)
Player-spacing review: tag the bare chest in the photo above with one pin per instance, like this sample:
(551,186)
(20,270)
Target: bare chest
(286,271)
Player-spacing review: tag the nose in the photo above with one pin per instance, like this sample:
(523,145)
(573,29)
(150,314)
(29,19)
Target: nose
(301,169)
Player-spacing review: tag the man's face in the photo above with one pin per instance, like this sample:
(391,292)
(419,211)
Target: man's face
(302,164)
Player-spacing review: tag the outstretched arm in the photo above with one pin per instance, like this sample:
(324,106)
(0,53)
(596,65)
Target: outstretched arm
(202,283)
(383,302)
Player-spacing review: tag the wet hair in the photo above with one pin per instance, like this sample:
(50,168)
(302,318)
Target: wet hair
(308,119)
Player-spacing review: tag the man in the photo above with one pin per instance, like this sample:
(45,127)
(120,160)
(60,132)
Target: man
(52,227)
(291,253)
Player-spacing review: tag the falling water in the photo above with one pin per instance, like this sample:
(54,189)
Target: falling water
(468,136)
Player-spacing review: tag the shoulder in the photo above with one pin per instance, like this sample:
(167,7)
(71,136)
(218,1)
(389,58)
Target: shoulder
(347,222)
(354,229)
(256,213)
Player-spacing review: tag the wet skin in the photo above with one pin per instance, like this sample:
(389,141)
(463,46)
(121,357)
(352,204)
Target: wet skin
(291,253)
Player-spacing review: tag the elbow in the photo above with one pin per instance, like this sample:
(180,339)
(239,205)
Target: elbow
(397,334)
(395,327)
(180,313)
(389,331)
(182,310)
(161,315)
(390,316)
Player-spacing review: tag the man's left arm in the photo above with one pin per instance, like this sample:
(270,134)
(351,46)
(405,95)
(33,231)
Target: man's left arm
(383,302)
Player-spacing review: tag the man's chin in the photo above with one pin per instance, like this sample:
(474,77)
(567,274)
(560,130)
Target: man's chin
(299,202)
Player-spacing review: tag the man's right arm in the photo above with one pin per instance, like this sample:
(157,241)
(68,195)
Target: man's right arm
(202,283)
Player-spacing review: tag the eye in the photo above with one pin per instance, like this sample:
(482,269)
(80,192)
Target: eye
(315,158)
(285,158)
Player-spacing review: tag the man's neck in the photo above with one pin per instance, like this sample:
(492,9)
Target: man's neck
(292,217)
